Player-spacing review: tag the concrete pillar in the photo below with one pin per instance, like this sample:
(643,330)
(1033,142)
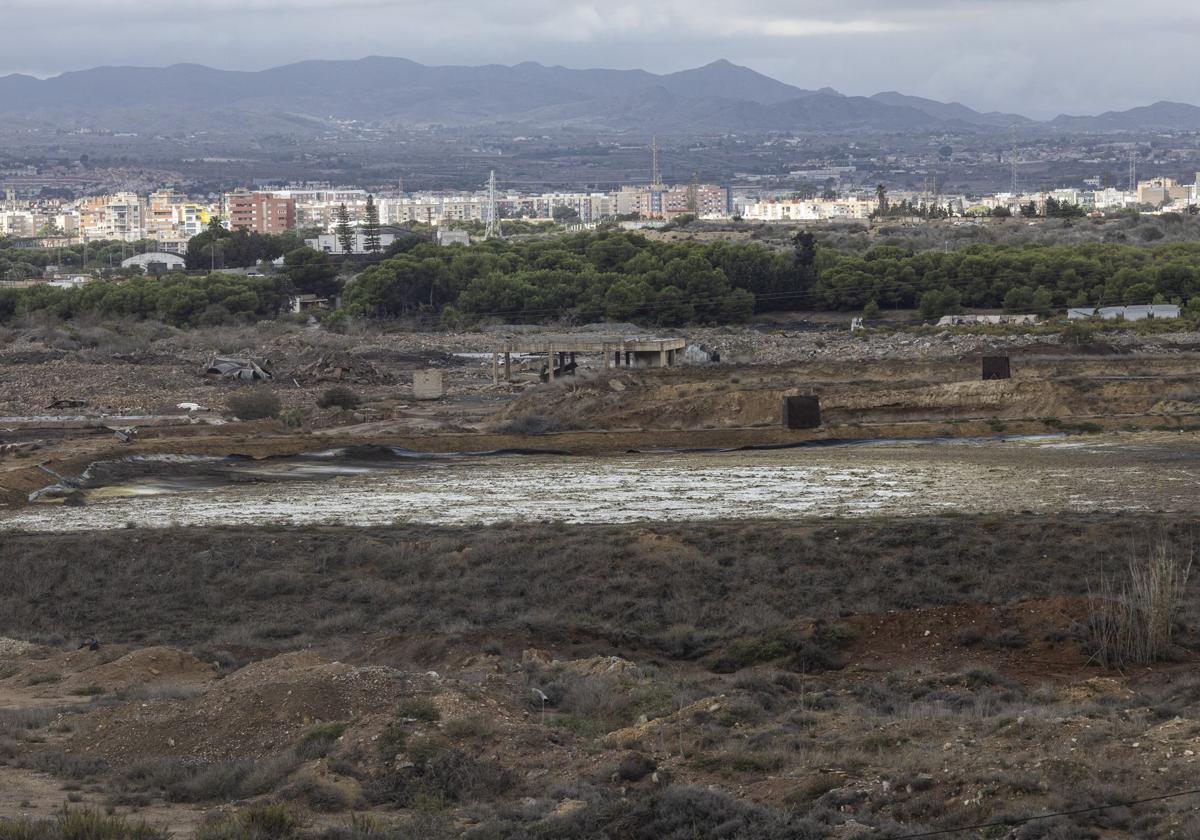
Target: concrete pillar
(495,368)
(662,358)
(507,366)
(607,361)
(550,363)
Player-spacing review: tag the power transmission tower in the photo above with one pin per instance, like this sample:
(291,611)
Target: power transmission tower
(1132,171)
(492,231)
(655,174)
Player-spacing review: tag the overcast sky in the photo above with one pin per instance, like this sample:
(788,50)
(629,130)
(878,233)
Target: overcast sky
(1037,57)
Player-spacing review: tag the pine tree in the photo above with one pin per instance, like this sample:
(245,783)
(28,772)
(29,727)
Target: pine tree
(345,234)
(371,238)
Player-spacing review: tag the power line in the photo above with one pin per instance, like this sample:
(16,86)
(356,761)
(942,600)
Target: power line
(1023,820)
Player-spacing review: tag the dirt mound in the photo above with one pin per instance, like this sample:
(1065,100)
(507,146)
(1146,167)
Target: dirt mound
(143,668)
(257,711)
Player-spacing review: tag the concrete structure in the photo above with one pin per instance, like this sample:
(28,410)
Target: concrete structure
(427,385)
(968,320)
(155,262)
(1126,313)
(307,303)
(560,351)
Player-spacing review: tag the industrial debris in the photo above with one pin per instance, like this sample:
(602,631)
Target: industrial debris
(68,403)
(338,366)
(245,370)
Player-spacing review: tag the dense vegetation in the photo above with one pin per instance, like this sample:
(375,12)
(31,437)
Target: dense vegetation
(174,299)
(1032,279)
(588,276)
(218,247)
(623,276)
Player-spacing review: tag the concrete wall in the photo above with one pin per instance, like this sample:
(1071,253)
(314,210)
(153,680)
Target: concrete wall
(427,385)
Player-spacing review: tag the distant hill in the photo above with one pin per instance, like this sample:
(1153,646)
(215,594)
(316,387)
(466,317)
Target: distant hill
(1174,116)
(951,111)
(302,98)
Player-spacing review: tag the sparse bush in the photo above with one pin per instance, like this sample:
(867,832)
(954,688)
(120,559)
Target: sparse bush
(472,726)
(418,709)
(318,795)
(64,765)
(260,822)
(746,652)
(445,775)
(72,824)
(319,741)
(969,635)
(393,740)
(178,781)
(254,403)
(1010,637)
(339,396)
(634,767)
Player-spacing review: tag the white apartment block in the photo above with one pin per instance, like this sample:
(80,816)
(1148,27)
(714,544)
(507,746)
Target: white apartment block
(814,210)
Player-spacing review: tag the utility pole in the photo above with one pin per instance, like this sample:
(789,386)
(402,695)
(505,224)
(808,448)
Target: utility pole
(1012,130)
(1133,171)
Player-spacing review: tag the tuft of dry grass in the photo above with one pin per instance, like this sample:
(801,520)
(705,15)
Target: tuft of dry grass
(1132,623)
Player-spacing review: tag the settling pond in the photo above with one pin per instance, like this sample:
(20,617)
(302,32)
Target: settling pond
(380,486)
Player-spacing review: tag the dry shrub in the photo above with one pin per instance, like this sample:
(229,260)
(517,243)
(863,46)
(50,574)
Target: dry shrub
(1133,623)
(254,403)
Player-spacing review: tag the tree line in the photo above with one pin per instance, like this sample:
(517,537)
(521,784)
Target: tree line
(613,275)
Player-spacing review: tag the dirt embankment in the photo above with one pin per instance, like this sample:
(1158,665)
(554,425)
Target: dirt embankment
(1156,390)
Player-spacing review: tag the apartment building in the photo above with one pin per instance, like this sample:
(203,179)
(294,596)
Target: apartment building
(259,212)
(806,210)
(317,205)
(1161,191)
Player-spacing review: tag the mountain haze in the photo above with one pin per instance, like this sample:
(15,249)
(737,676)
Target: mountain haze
(717,98)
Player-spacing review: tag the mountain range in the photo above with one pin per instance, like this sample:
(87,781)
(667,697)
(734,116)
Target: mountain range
(720,97)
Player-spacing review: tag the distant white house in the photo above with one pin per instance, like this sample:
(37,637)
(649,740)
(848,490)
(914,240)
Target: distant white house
(1126,313)
(155,262)
(449,236)
(69,281)
(328,242)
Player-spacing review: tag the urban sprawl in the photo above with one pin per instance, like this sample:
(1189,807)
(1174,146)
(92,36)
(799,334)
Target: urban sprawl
(170,218)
